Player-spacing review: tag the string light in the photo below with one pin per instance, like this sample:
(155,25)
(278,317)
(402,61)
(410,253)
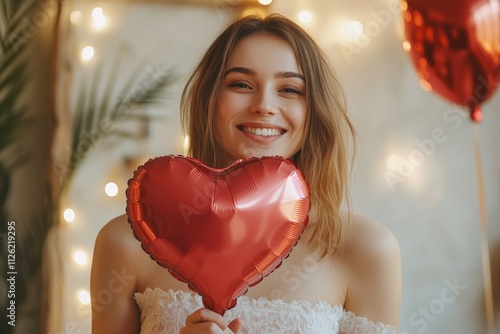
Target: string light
(393,162)
(96,12)
(404,6)
(425,85)
(98,18)
(80,258)
(407,168)
(87,53)
(305,16)
(69,215)
(111,189)
(406,46)
(356,28)
(349,30)
(84,297)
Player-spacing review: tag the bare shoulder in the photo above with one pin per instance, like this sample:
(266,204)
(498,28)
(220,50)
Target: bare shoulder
(369,240)
(117,245)
(113,279)
(117,230)
(372,260)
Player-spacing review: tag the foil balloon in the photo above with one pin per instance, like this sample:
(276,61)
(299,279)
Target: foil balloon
(219,230)
(455,47)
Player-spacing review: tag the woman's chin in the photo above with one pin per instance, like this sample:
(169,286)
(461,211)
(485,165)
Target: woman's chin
(230,159)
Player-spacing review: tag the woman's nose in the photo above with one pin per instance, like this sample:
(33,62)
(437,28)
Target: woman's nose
(264,103)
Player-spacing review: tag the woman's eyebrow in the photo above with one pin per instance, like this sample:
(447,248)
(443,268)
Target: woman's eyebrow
(242,70)
(279,75)
(289,74)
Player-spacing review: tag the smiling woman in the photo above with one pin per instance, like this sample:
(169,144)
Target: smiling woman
(265,88)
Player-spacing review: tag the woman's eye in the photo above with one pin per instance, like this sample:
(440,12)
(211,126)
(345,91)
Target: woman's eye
(292,90)
(239,84)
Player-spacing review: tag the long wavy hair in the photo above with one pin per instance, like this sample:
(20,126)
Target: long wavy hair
(327,153)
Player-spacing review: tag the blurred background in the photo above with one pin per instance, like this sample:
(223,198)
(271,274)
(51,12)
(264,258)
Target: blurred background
(89,90)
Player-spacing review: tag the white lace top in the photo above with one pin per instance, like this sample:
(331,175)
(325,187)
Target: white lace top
(165,312)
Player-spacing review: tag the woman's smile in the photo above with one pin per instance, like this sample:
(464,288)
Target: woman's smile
(264,132)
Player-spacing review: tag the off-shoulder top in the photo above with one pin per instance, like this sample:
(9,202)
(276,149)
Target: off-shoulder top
(165,312)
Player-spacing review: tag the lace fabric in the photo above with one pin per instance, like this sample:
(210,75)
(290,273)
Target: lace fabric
(165,312)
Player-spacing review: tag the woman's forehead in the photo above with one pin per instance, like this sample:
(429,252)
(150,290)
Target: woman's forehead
(263,51)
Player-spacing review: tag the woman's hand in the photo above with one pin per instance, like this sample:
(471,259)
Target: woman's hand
(207,321)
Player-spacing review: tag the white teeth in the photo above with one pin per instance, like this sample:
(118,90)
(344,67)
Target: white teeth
(262,131)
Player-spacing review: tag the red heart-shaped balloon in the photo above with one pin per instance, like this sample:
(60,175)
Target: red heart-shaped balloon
(454,46)
(219,230)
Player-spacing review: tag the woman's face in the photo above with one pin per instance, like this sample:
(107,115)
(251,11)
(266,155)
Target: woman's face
(262,107)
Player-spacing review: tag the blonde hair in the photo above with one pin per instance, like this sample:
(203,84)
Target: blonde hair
(324,156)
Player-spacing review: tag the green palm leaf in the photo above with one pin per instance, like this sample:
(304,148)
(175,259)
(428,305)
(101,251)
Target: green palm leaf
(93,114)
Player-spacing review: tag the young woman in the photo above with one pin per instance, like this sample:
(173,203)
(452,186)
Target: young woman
(264,88)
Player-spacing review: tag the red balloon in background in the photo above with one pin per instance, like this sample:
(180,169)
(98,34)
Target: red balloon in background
(455,47)
(219,230)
